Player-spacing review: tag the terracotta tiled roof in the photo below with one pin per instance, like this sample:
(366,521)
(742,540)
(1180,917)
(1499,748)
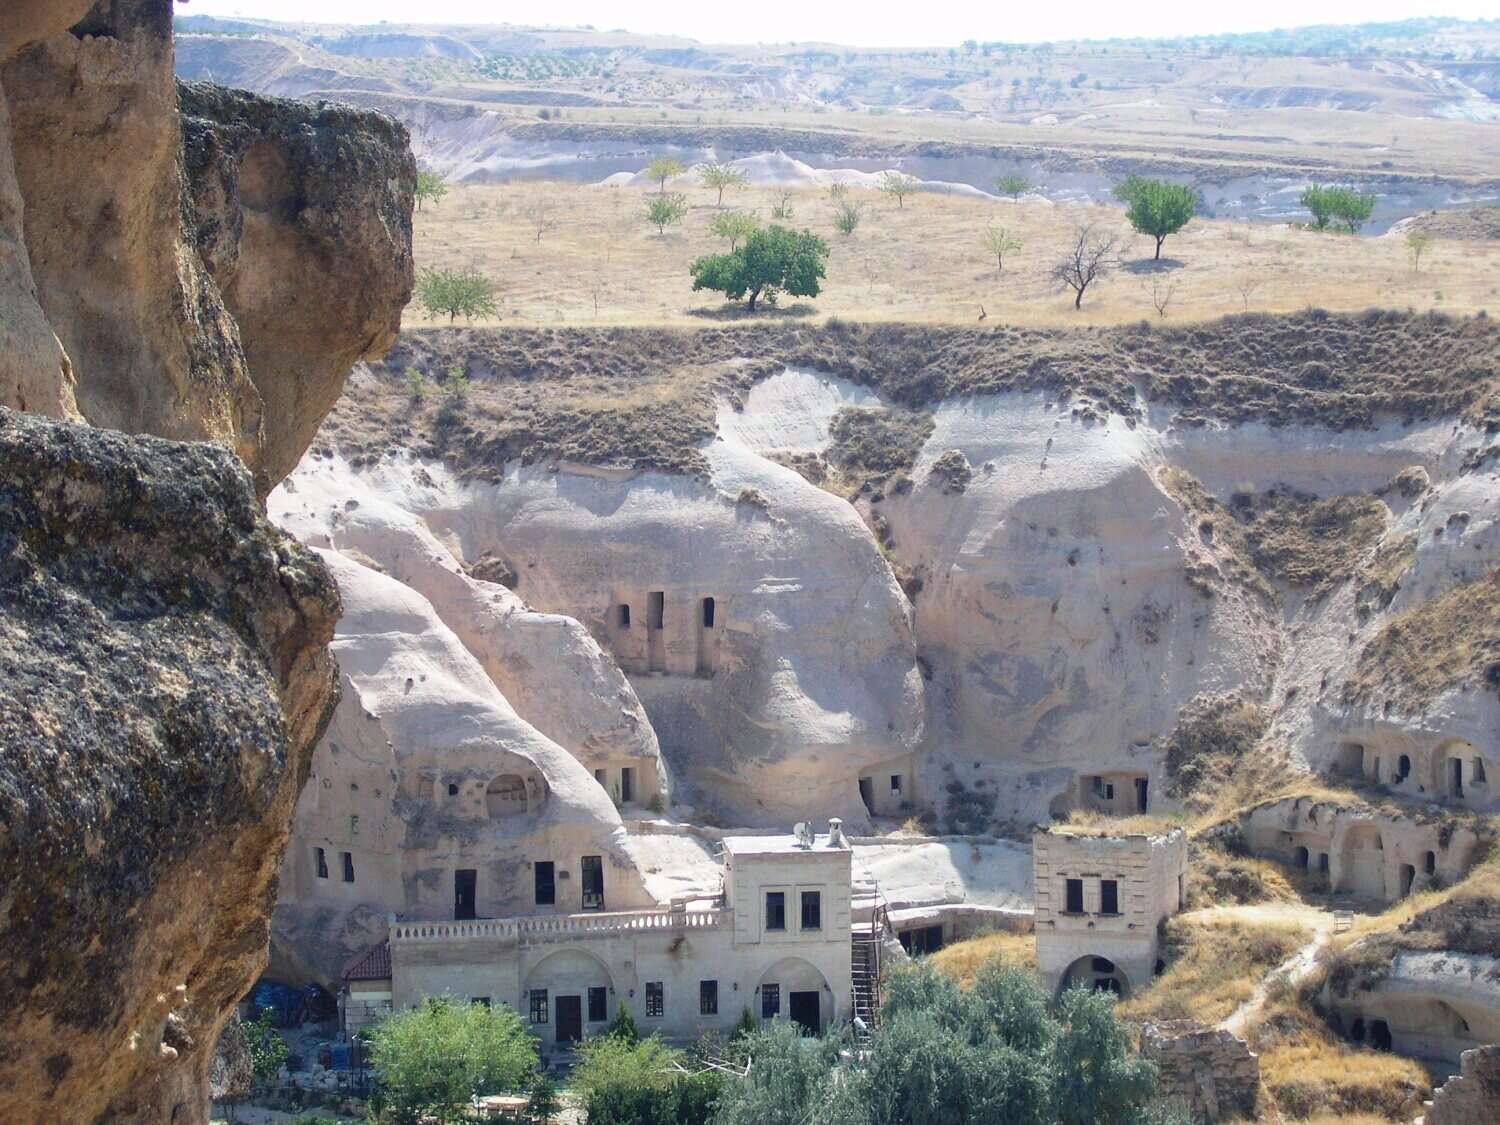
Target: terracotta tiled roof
(372,964)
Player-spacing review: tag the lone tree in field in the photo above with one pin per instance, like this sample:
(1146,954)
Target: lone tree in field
(847,214)
(1000,242)
(456,294)
(1159,209)
(429,186)
(1349,209)
(662,169)
(772,261)
(1090,256)
(1013,185)
(542,215)
(734,226)
(721,176)
(1417,243)
(898,185)
(666,210)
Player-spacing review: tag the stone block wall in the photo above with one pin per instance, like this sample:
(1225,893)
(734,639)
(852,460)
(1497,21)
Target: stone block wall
(1470,1097)
(1205,1069)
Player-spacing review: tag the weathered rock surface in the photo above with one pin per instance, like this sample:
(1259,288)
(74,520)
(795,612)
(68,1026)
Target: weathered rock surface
(291,203)
(206,298)
(1471,1096)
(164,674)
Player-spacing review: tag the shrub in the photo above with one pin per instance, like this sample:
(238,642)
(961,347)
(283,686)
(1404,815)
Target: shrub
(435,1058)
(666,210)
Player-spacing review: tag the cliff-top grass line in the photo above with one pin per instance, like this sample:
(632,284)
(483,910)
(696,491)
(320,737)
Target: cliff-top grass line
(647,397)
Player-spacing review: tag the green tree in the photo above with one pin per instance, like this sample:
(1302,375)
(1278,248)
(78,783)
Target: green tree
(622,1026)
(1000,242)
(734,226)
(794,1080)
(429,186)
(1013,185)
(1346,207)
(416,383)
(1159,209)
(897,185)
(1096,1079)
(662,169)
(268,1050)
(1417,243)
(1127,189)
(772,261)
(456,293)
(436,1058)
(665,210)
(542,1102)
(720,176)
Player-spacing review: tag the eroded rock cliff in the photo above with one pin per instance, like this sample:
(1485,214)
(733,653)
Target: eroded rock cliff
(164,673)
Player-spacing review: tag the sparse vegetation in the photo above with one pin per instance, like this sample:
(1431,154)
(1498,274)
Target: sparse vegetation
(847,214)
(430,186)
(662,169)
(1000,242)
(1417,243)
(734,226)
(897,185)
(875,442)
(1013,185)
(718,177)
(963,960)
(1090,256)
(1212,734)
(455,294)
(664,210)
(1213,966)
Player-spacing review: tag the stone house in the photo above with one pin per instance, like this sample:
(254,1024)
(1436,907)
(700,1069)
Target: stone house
(1100,901)
(776,943)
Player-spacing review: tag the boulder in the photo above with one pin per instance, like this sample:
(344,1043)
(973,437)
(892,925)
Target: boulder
(164,674)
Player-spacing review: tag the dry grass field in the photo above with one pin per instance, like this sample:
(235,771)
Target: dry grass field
(599,262)
(963,959)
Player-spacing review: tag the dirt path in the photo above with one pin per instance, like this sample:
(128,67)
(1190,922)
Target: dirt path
(1295,968)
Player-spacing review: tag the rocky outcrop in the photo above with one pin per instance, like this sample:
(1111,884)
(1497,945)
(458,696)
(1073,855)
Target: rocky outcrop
(1471,1096)
(1204,1070)
(201,306)
(290,202)
(164,674)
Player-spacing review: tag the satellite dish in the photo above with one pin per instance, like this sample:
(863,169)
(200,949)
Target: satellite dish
(803,832)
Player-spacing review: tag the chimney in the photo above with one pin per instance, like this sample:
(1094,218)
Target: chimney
(836,833)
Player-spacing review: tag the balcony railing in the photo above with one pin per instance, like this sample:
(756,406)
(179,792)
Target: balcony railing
(555,927)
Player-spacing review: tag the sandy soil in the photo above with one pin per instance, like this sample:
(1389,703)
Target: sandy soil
(599,262)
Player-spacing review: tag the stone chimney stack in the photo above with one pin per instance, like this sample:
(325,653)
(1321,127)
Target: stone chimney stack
(836,833)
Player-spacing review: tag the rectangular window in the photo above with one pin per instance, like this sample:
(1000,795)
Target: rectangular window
(775,910)
(538,1005)
(546,884)
(591,874)
(895,783)
(708,613)
(1074,904)
(1109,896)
(598,1012)
(624,617)
(708,997)
(322,857)
(627,784)
(812,910)
(656,609)
(656,1005)
(770,1001)
(348,867)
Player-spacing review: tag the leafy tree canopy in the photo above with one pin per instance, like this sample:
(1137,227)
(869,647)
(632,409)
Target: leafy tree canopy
(455,293)
(429,186)
(1157,208)
(1344,207)
(772,261)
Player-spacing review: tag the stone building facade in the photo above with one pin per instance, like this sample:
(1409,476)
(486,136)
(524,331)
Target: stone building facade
(776,944)
(1100,901)
(1470,1097)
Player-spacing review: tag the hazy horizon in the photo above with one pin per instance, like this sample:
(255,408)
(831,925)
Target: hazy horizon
(851,24)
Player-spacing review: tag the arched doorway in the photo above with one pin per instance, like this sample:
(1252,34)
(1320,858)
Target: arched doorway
(1098,973)
(794,989)
(567,993)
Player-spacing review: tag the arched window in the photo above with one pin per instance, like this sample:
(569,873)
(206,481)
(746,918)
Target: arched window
(506,795)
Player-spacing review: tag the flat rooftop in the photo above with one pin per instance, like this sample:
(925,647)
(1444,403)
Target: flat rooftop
(779,845)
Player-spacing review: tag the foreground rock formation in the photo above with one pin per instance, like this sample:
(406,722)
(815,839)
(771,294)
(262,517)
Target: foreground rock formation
(164,672)
(164,662)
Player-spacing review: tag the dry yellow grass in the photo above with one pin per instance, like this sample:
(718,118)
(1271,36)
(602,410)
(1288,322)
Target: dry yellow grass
(963,959)
(602,264)
(1315,1076)
(1213,966)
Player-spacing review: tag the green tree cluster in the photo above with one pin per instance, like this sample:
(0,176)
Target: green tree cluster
(1339,206)
(435,1058)
(992,1053)
(771,261)
(1013,185)
(1155,207)
(622,1079)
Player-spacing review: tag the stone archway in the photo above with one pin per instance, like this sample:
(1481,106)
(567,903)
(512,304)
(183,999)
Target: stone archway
(787,990)
(567,985)
(1095,972)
